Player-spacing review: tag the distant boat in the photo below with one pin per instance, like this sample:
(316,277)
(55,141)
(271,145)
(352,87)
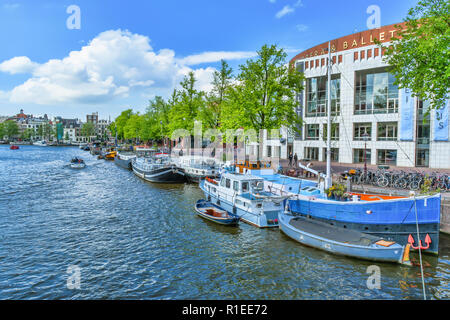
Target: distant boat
(214,213)
(82,145)
(110,155)
(157,169)
(41,143)
(77,163)
(342,241)
(14,147)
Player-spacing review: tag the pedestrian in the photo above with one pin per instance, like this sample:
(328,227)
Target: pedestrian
(290,159)
(295,160)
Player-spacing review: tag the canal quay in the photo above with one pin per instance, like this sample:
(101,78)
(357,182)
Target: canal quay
(130,239)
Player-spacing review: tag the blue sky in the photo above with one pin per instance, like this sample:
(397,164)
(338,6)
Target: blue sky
(126,52)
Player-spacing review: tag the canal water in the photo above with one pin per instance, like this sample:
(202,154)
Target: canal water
(130,239)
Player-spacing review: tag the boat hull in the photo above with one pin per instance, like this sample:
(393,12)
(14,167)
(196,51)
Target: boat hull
(200,206)
(161,175)
(371,251)
(393,220)
(126,164)
(77,165)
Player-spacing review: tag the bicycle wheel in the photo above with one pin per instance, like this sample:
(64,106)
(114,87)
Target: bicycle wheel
(382,182)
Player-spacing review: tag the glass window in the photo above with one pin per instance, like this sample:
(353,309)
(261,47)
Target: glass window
(245,186)
(228,183)
(312,153)
(362,130)
(334,154)
(316,96)
(235,186)
(334,131)
(375,92)
(359,155)
(387,131)
(312,132)
(388,157)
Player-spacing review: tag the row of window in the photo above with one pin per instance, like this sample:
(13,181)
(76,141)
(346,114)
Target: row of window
(386,131)
(375,92)
(384,156)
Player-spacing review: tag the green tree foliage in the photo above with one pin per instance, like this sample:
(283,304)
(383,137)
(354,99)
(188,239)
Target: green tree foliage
(88,130)
(121,121)
(2,131)
(420,53)
(11,128)
(264,96)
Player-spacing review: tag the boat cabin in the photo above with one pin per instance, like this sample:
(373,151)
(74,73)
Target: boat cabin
(242,184)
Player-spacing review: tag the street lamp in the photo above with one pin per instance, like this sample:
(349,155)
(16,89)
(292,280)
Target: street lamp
(365,138)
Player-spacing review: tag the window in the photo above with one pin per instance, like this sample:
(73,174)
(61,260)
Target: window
(316,96)
(387,131)
(312,132)
(387,157)
(228,183)
(222,182)
(312,153)
(245,186)
(358,155)
(334,131)
(235,186)
(362,129)
(334,154)
(375,92)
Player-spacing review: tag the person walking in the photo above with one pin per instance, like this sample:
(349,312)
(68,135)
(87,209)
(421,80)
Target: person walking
(295,160)
(290,159)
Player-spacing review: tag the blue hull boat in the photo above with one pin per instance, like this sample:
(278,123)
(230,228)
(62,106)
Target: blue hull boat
(214,213)
(342,241)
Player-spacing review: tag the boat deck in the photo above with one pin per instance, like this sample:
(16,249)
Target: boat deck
(333,233)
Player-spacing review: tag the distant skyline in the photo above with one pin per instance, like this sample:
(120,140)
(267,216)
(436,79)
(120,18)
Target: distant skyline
(125,53)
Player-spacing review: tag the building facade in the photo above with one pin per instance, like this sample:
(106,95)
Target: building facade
(372,118)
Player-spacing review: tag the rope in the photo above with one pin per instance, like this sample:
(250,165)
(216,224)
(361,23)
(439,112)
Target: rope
(420,252)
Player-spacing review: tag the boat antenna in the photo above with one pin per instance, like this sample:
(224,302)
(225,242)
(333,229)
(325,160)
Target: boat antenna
(328,180)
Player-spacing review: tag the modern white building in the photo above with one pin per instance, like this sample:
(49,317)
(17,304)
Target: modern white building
(366,105)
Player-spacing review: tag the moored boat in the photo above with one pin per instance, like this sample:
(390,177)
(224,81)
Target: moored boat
(41,143)
(198,168)
(244,196)
(214,213)
(123,159)
(342,241)
(157,169)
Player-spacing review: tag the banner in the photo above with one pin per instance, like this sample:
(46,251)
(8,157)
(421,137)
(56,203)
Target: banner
(407,116)
(441,123)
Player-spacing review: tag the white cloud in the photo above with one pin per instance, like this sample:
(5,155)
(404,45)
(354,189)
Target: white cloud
(11,6)
(18,65)
(115,64)
(215,56)
(301,27)
(287,9)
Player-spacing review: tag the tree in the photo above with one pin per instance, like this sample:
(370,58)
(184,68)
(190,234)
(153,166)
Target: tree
(420,54)
(264,96)
(88,130)
(211,112)
(66,136)
(121,121)
(2,131)
(133,127)
(186,105)
(47,131)
(11,128)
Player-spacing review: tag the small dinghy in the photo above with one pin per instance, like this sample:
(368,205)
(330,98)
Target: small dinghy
(14,147)
(342,241)
(214,213)
(77,163)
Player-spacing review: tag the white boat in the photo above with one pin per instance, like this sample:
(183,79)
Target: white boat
(198,168)
(41,143)
(77,163)
(244,196)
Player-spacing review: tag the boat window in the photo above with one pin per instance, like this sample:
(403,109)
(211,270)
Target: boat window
(245,186)
(228,183)
(258,186)
(222,182)
(235,186)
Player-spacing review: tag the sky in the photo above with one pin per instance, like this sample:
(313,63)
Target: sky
(71,58)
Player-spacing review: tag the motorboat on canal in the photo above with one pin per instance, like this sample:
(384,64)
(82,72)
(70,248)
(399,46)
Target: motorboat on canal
(212,212)
(244,196)
(159,168)
(41,143)
(14,147)
(198,168)
(342,241)
(77,163)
